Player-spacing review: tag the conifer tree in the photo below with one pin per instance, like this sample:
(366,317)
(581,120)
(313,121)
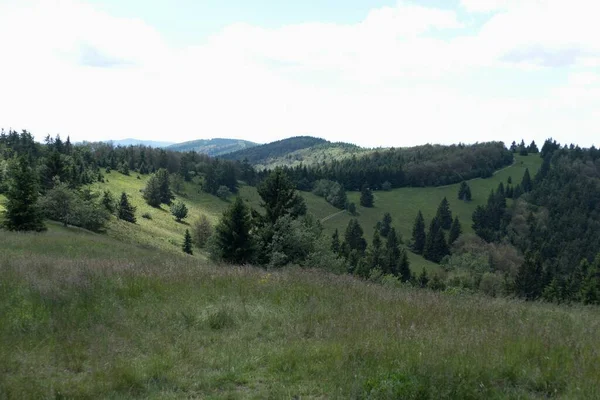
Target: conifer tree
(386,224)
(22,211)
(279,197)
(375,256)
(528,282)
(428,250)
(202,230)
(335,242)
(464,191)
(152,193)
(455,231)
(440,247)
(353,237)
(187,243)
(179,211)
(404,268)
(526,184)
(444,215)
(162,175)
(366,196)
(590,287)
(423,278)
(418,234)
(233,242)
(392,254)
(125,210)
(108,201)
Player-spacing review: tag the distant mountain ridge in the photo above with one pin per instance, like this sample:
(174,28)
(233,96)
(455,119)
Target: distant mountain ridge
(293,151)
(213,147)
(138,142)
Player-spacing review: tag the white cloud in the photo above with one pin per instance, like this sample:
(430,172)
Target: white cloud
(388,80)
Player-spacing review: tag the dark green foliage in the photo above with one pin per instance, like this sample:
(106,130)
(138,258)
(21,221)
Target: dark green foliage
(124,168)
(258,154)
(212,147)
(108,202)
(418,234)
(386,224)
(125,210)
(366,196)
(164,185)
(455,231)
(74,208)
(526,184)
(223,192)
(532,148)
(464,191)
(233,243)
(279,197)
(490,221)
(523,148)
(179,211)
(418,166)
(152,193)
(335,242)
(22,210)
(353,237)
(590,287)
(423,279)
(386,186)
(352,208)
(529,281)
(436,247)
(333,192)
(444,215)
(375,257)
(187,242)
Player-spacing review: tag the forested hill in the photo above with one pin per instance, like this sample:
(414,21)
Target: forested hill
(213,147)
(429,165)
(271,152)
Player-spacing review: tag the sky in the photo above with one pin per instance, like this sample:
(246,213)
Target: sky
(376,73)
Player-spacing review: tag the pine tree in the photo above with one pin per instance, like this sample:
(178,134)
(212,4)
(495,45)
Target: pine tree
(125,210)
(468,196)
(428,250)
(335,242)
(366,196)
(526,184)
(444,215)
(108,201)
(187,243)
(179,211)
(202,230)
(152,193)
(22,211)
(279,197)
(440,247)
(233,242)
(423,279)
(464,191)
(418,234)
(386,224)
(404,267)
(455,231)
(590,287)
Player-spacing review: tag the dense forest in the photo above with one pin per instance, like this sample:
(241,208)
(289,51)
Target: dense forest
(258,154)
(429,165)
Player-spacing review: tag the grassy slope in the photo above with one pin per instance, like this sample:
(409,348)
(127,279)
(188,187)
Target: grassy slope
(84,316)
(314,155)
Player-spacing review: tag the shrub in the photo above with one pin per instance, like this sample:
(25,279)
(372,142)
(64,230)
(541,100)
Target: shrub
(179,211)
(146,215)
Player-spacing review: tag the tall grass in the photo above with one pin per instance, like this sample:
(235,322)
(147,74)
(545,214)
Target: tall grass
(98,318)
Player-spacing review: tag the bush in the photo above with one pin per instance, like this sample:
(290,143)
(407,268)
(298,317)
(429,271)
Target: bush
(146,215)
(179,211)
(223,192)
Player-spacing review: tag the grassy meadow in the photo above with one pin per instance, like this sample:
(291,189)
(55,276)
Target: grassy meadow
(86,316)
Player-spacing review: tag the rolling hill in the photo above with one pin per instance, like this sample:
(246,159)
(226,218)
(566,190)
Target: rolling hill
(294,151)
(137,142)
(213,147)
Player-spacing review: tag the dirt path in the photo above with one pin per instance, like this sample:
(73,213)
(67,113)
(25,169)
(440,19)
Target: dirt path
(327,218)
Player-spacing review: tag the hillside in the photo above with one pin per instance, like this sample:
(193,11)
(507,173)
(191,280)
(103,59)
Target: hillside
(137,142)
(83,315)
(213,147)
(293,151)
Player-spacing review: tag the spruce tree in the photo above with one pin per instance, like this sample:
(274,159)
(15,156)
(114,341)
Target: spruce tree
(386,224)
(455,231)
(464,191)
(392,254)
(444,215)
(335,242)
(166,195)
(279,197)
(353,237)
(528,282)
(108,201)
(366,196)
(440,247)
(404,267)
(22,211)
(418,234)
(526,184)
(125,210)
(202,230)
(375,256)
(187,243)
(152,193)
(233,242)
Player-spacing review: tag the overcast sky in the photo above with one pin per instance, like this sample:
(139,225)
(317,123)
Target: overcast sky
(375,73)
